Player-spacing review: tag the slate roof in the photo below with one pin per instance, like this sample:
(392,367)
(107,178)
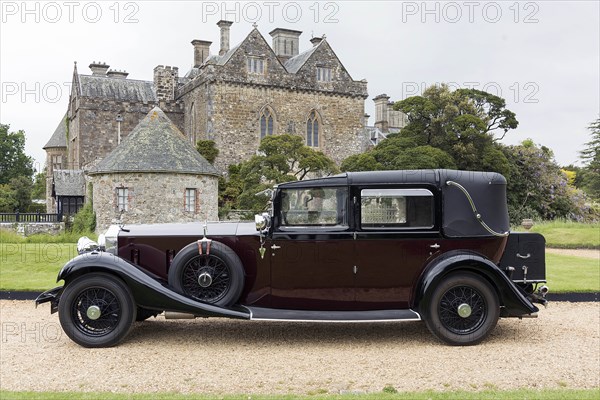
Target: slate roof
(222,60)
(59,137)
(155,145)
(69,182)
(295,63)
(117,89)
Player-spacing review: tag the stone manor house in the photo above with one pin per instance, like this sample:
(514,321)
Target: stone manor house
(134,140)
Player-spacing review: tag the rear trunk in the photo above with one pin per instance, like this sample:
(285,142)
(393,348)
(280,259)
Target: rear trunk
(524,258)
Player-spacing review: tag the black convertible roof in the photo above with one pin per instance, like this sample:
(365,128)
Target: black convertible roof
(473,202)
(437,177)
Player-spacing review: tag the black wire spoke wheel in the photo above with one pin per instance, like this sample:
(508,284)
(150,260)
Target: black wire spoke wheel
(216,278)
(96,311)
(206,278)
(462,310)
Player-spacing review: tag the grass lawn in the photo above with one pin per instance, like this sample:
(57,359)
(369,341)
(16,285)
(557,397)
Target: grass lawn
(387,394)
(568,235)
(566,274)
(32,266)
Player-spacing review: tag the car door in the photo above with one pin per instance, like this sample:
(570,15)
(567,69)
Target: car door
(397,233)
(311,250)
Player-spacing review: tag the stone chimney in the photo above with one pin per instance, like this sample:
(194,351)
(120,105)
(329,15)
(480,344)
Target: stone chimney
(224,25)
(201,51)
(285,43)
(98,68)
(165,82)
(316,40)
(113,73)
(381,112)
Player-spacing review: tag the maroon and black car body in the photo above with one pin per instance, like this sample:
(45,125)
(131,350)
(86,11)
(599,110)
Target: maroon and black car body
(430,245)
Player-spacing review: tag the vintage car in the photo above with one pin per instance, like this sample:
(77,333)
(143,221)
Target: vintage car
(430,245)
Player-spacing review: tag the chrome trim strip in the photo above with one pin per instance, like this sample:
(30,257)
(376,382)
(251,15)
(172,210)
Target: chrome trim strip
(416,318)
(329,321)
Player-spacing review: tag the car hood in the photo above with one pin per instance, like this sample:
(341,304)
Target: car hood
(194,229)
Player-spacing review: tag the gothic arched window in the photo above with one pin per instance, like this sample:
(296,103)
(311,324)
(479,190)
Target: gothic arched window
(312,130)
(267,122)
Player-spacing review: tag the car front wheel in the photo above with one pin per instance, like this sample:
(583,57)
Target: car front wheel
(96,310)
(463,309)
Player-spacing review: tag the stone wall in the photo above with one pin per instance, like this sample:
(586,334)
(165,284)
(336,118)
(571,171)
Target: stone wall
(93,131)
(224,101)
(153,198)
(236,127)
(33,228)
(165,82)
(50,153)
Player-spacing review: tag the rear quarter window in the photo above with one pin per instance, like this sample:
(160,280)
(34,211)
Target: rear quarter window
(396,208)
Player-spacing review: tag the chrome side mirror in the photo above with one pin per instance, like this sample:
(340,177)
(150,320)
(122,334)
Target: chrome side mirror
(262,221)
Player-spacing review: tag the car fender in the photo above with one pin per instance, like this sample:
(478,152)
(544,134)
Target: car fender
(148,291)
(512,299)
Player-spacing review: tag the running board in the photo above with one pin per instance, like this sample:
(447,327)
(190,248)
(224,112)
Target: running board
(270,314)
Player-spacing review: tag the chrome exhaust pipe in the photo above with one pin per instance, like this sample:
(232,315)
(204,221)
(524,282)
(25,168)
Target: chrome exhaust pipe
(178,315)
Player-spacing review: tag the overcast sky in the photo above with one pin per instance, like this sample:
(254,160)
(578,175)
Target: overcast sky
(541,56)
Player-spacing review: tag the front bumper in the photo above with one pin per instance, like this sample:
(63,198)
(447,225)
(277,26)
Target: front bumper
(52,296)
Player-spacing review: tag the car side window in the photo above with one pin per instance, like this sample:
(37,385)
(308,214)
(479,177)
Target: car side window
(396,208)
(317,206)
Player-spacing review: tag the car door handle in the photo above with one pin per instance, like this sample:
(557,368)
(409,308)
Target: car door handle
(435,246)
(275,247)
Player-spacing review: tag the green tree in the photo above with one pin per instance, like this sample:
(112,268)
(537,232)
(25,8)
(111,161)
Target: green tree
(85,219)
(463,124)
(590,173)
(22,186)
(537,188)
(424,157)
(39,185)
(13,160)
(8,199)
(208,150)
(361,162)
(281,158)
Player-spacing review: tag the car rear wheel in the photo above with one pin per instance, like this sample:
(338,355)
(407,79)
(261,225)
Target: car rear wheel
(463,309)
(215,278)
(96,310)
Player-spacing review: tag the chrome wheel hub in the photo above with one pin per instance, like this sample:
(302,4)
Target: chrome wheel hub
(464,310)
(93,312)
(205,280)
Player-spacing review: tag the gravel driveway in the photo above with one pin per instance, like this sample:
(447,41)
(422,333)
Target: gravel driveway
(561,348)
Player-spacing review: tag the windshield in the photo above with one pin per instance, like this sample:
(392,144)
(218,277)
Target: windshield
(317,206)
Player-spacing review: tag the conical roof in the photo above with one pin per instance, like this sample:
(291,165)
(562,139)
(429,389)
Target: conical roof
(155,145)
(59,137)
